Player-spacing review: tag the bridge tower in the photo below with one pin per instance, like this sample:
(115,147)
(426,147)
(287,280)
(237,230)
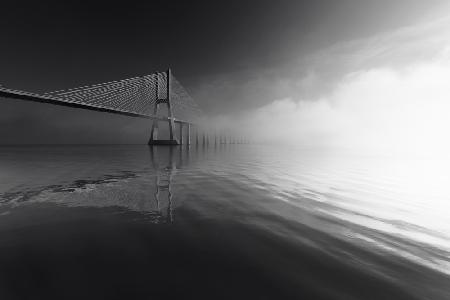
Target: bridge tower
(170,118)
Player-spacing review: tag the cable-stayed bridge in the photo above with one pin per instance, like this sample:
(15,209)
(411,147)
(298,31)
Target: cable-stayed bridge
(136,97)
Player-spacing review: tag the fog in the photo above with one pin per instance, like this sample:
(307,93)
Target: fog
(392,96)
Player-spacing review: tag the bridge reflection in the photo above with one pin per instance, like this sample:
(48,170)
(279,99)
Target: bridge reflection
(163,161)
(118,179)
(138,181)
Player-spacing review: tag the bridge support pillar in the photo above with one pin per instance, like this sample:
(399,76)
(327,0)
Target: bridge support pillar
(181,133)
(196,136)
(154,133)
(188,137)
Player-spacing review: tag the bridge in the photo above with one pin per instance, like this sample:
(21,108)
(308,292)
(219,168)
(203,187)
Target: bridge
(140,97)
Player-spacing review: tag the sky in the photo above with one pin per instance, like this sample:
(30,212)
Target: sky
(321,73)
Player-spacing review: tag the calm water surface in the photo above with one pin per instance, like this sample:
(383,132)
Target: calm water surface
(225,222)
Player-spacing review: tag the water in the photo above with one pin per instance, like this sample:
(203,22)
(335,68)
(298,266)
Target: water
(226,222)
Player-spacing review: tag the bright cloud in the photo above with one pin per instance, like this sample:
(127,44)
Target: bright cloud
(389,108)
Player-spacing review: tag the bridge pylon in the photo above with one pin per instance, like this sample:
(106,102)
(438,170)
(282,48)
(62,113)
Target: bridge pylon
(170,118)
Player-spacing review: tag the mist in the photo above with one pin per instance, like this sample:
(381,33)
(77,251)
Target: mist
(390,97)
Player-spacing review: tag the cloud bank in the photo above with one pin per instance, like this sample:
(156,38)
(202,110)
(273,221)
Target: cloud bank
(391,96)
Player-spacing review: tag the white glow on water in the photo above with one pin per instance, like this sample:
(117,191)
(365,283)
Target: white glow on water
(395,204)
(406,198)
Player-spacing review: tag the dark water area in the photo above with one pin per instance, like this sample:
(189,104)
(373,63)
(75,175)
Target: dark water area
(223,222)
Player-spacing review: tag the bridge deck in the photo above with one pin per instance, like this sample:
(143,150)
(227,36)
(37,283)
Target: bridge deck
(51,99)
